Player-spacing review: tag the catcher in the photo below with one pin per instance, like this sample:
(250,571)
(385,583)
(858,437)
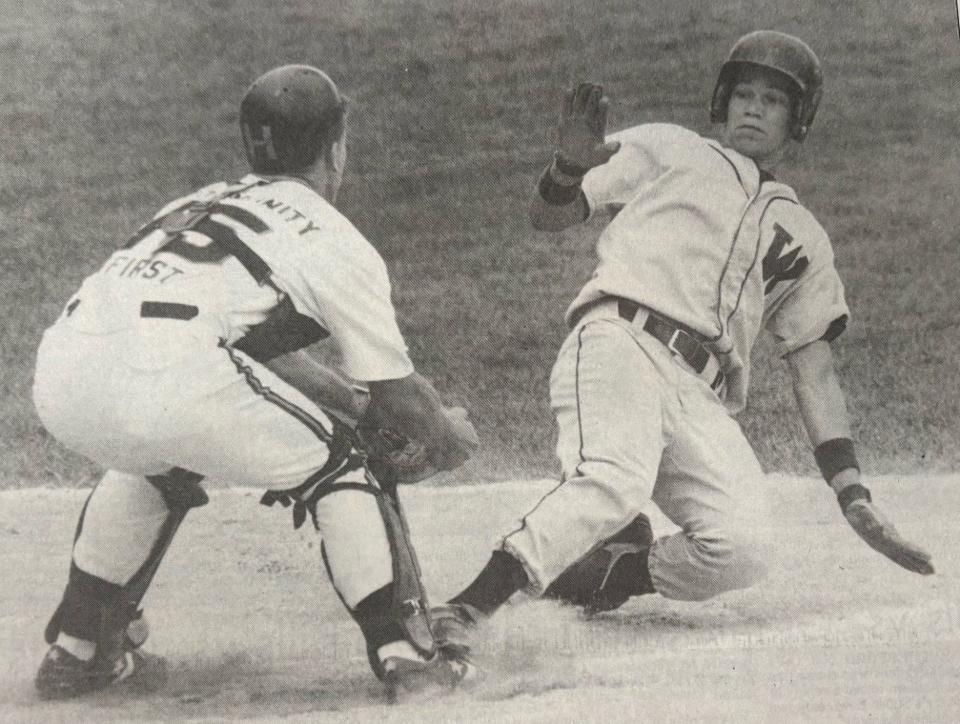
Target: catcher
(702,248)
(182,358)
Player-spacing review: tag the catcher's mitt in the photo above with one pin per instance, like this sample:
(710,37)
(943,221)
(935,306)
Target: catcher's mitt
(394,457)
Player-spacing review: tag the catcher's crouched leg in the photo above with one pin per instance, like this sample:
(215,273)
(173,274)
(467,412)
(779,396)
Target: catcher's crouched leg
(105,616)
(395,617)
(605,578)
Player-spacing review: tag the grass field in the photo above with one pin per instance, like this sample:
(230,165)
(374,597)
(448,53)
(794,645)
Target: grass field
(112,107)
(253,631)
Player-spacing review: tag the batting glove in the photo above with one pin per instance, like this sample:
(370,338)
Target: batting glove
(879,533)
(582,143)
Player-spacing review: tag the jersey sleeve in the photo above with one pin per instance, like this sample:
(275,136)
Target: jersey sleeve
(813,306)
(608,188)
(343,283)
(358,312)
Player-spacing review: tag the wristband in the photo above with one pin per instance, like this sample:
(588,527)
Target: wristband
(835,455)
(851,493)
(556,194)
(568,168)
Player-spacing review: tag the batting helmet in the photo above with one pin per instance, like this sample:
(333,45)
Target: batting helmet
(784,54)
(289,117)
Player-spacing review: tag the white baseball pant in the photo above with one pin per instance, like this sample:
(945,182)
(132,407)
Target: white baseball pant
(180,402)
(636,423)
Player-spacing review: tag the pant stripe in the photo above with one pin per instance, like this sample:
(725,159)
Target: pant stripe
(577,390)
(563,477)
(315,426)
(523,521)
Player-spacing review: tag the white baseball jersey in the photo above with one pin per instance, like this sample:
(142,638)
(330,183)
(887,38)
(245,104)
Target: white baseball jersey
(316,257)
(701,236)
(148,368)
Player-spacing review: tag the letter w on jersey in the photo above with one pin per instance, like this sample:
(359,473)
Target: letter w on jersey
(777,268)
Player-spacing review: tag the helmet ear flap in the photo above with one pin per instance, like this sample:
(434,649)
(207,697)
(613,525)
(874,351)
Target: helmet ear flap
(806,111)
(721,95)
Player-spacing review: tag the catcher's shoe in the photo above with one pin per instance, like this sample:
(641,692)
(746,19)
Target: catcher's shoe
(407,678)
(63,676)
(607,577)
(454,625)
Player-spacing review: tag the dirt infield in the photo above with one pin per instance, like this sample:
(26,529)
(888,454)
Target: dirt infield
(252,629)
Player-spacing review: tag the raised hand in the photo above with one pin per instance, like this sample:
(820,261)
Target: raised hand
(582,143)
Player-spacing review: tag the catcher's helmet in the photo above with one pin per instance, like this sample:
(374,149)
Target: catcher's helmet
(289,117)
(784,54)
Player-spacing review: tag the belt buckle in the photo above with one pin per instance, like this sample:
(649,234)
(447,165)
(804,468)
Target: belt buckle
(672,343)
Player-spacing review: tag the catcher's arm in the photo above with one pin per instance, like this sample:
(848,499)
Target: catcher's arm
(824,411)
(329,389)
(557,200)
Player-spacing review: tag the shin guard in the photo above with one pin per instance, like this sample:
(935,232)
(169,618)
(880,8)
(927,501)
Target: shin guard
(107,613)
(399,610)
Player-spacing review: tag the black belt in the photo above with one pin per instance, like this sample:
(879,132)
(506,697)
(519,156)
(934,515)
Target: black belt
(678,340)
(168,310)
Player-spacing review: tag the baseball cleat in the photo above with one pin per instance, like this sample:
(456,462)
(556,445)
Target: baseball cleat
(407,679)
(606,578)
(63,676)
(620,557)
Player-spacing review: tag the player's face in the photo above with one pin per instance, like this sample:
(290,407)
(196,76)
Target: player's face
(758,117)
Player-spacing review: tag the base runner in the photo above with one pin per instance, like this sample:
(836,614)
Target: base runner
(702,249)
